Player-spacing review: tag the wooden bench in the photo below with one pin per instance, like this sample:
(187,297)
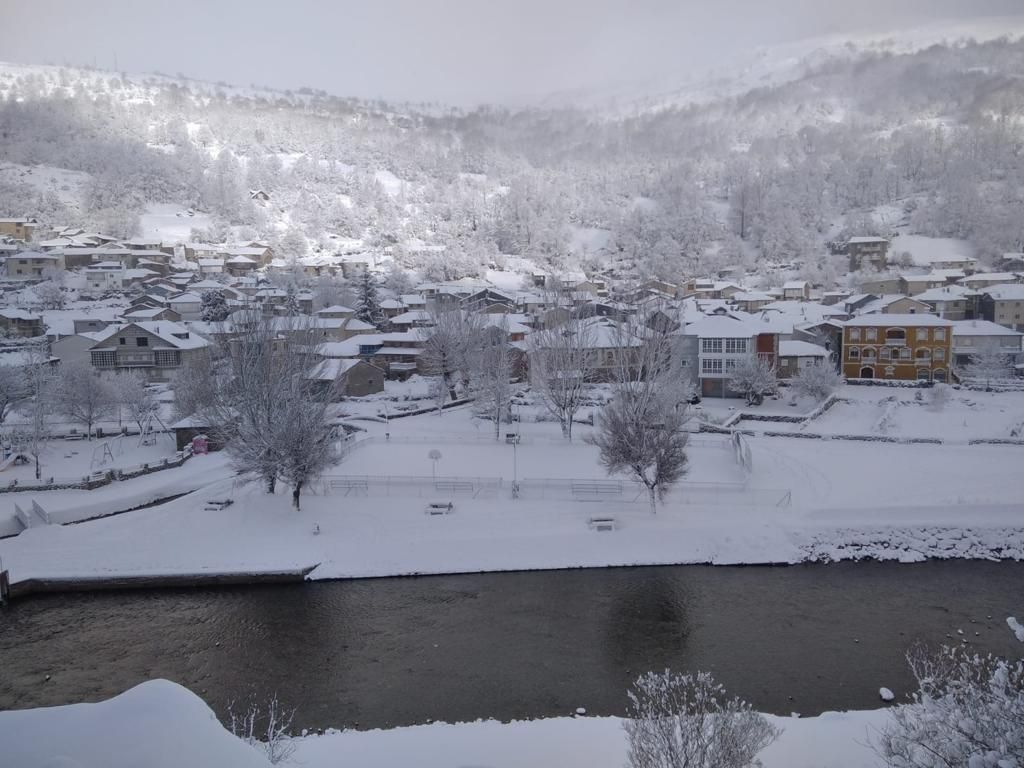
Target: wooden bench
(217,505)
(511,438)
(440,508)
(596,488)
(602,523)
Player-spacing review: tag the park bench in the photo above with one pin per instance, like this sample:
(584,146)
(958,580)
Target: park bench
(511,438)
(216,505)
(453,485)
(440,508)
(596,488)
(602,523)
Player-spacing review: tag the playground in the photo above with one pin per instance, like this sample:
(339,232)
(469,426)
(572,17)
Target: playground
(70,460)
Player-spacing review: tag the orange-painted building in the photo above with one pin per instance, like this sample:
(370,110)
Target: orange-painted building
(905,347)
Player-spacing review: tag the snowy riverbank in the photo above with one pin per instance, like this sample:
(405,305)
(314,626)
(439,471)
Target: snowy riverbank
(161,725)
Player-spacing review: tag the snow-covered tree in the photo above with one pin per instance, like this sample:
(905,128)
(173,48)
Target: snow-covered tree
(561,367)
(367,301)
(82,396)
(753,377)
(988,364)
(688,721)
(214,306)
(447,351)
(817,381)
(132,395)
(490,370)
(641,431)
(50,295)
(968,711)
(14,389)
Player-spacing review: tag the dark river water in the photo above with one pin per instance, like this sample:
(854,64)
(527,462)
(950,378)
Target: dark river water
(388,652)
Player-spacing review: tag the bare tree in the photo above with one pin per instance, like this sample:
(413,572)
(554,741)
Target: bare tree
(196,387)
(40,379)
(130,392)
(14,389)
(447,349)
(305,445)
(561,365)
(268,730)
(641,431)
(817,381)
(968,711)
(82,396)
(490,364)
(754,377)
(987,365)
(687,721)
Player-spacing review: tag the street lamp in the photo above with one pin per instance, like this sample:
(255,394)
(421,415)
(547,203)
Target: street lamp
(435,456)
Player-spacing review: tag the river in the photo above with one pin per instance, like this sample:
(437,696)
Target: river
(389,652)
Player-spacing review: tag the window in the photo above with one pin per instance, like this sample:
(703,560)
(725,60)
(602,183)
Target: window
(921,334)
(711,366)
(904,353)
(868,355)
(895,336)
(167,357)
(711,346)
(923,355)
(854,353)
(871,334)
(883,353)
(104,358)
(736,346)
(730,365)
(141,341)
(939,334)
(939,355)
(122,341)
(855,334)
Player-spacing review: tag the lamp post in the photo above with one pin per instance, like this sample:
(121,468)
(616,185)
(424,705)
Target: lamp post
(515,455)
(435,456)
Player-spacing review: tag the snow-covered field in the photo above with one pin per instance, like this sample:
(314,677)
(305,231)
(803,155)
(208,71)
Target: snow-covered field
(159,724)
(803,499)
(171,223)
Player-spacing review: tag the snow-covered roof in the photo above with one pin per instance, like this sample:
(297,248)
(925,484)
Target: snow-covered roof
(412,316)
(185,298)
(17,314)
(391,304)
(331,368)
(795,285)
(982,328)
(722,327)
(1006,292)
(867,239)
(945,293)
(336,309)
(752,296)
(801,349)
(990,277)
(165,330)
(887,321)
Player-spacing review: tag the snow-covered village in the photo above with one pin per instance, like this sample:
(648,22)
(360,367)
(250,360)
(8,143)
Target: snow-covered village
(506,385)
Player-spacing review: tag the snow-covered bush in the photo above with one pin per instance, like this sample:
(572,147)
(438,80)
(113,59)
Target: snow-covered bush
(687,721)
(968,711)
(269,730)
(753,377)
(938,396)
(817,381)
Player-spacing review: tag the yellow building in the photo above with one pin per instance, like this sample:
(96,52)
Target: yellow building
(905,347)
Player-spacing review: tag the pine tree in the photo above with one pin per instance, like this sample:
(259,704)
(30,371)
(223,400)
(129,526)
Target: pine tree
(214,306)
(368,308)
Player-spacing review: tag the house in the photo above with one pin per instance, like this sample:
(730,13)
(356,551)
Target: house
(188,305)
(856,301)
(157,349)
(881,285)
(916,347)
(830,298)
(416,318)
(911,284)
(239,266)
(867,251)
(259,196)
(794,355)
(973,336)
(74,349)
(34,265)
(19,229)
(150,314)
(751,301)
(104,277)
(391,307)
(981,280)
(336,311)
(1003,304)
(19,323)
(725,340)
(340,378)
(895,304)
(487,298)
(713,289)
(953,302)
(211,266)
(799,290)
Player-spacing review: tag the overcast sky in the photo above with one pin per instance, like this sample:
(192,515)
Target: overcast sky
(459,51)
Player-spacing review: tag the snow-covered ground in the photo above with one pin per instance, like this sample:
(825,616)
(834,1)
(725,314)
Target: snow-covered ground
(171,223)
(159,724)
(803,499)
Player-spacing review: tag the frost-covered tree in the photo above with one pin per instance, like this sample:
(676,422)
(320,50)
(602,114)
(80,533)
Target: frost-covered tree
(50,295)
(367,301)
(447,352)
(561,367)
(214,306)
(817,381)
(641,431)
(490,371)
(82,396)
(14,389)
(688,721)
(968,711)
(988,364)
(132,395)
(196,388)
(753,377)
